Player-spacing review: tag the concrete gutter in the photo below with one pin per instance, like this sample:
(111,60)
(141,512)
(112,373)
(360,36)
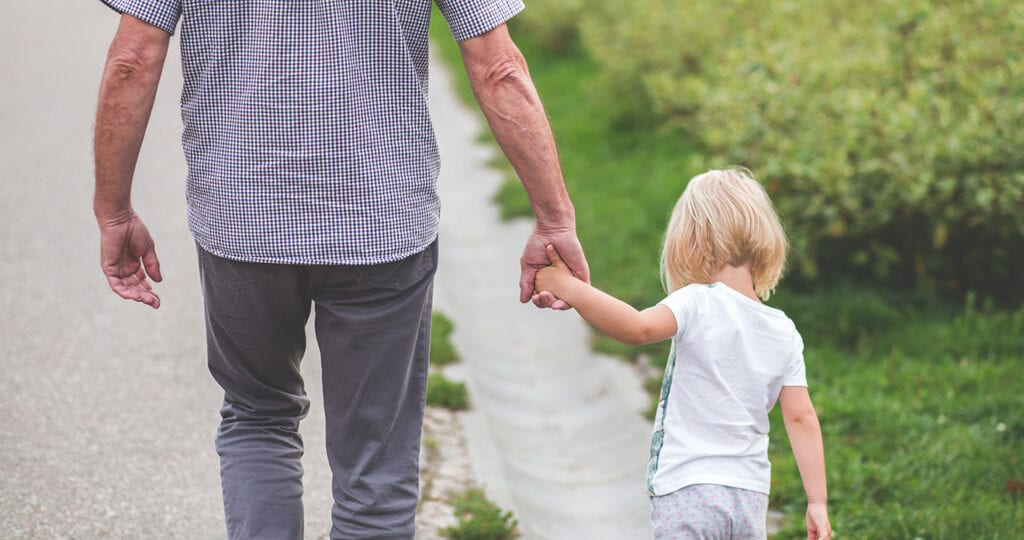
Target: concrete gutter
(556,433)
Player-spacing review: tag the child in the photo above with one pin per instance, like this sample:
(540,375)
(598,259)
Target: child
(732,359)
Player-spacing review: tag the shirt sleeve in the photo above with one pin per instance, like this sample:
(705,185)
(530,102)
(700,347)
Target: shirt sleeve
(796,371)
(684,305)
(470,18)
(163,14)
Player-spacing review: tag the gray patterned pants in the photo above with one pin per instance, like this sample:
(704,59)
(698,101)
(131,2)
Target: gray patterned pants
(710,512)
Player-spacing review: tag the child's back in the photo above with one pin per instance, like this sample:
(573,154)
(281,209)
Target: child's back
(733,355)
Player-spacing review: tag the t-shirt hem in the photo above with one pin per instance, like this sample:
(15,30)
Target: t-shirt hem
(666,487)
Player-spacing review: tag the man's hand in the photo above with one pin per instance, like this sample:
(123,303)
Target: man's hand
(535,256)
(128,259)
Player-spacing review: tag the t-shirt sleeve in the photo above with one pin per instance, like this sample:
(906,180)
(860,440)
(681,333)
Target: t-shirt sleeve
(684,304)
(163,14)
(796,371)
(470,18)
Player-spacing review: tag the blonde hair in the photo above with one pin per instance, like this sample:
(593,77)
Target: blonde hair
(723,217)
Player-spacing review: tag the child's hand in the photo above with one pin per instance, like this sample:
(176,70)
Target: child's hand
(818,527)
(555,278)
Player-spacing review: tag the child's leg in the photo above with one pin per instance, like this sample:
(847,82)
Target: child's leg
(710,512)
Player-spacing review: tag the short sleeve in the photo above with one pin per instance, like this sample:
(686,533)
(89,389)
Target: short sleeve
(796,371)
(163,14)
(684,304)
(470,18)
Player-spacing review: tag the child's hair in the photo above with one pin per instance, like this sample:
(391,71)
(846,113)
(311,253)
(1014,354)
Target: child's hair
(723,217)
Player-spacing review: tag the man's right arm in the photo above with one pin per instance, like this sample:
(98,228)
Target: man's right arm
(503,88)
(127,92)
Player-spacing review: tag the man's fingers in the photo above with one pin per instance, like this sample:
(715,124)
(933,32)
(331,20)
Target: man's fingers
(151,300)
(133,288)
(152,264)
(526,283)
(553,255)
(543,299)
(579,267)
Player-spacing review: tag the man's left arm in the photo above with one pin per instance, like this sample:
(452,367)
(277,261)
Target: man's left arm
(127,92)
(501,83)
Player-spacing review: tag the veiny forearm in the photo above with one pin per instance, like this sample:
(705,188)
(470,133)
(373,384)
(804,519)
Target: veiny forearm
(805,437)
(127,92)
(501,82)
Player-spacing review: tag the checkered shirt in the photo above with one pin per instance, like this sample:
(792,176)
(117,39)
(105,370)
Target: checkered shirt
(306,129)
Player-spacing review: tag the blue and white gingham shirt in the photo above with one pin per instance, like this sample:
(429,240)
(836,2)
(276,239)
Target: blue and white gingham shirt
(306,129)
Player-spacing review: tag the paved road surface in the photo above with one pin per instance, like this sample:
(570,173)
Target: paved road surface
(108,411)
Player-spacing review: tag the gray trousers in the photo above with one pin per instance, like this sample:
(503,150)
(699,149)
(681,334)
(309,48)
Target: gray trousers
(373,328)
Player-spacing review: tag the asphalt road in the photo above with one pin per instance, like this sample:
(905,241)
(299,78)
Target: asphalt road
(107,411)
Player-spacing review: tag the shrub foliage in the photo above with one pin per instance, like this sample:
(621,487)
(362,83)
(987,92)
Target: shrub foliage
(888,133)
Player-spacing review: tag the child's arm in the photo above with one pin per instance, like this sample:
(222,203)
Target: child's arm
(805,438)
(611,316)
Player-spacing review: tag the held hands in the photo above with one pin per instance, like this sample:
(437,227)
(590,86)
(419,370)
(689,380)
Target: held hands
(128,259)
(535,257)
(818,526)
(555,278)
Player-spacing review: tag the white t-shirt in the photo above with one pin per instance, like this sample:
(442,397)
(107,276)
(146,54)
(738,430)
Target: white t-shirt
(732,356)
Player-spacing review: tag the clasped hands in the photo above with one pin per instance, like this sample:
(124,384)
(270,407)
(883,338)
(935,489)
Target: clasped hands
(544,249)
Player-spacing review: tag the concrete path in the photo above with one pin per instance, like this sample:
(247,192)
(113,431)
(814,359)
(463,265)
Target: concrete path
(108,412)
(555,433)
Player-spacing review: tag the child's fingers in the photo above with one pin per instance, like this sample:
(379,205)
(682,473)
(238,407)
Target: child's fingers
(553,256)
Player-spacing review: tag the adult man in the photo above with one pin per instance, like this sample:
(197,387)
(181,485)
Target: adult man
(312,169)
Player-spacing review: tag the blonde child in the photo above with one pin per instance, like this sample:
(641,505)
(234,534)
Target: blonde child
(732,359)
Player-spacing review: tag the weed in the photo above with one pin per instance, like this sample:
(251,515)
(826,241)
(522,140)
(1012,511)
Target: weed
(442,392)
(442,351)
(480,519)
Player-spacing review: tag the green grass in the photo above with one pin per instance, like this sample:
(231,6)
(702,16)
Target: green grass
(921,400)
(442,351)
(480,519)
(923,430)
(442,392)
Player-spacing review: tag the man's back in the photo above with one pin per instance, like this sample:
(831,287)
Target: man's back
(306,130)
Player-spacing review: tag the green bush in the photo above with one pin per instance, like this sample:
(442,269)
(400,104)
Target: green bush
(442,392)
(442,351)
(480,519)
(888,133)
(553,23)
